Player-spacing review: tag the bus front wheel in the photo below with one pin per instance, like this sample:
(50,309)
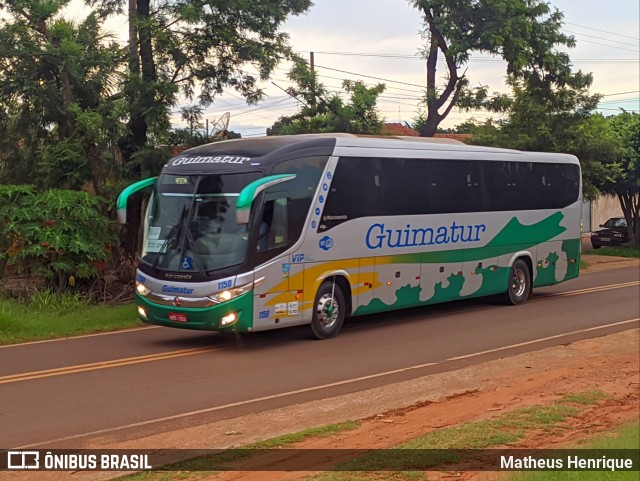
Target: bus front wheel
(328,311)
(519,287)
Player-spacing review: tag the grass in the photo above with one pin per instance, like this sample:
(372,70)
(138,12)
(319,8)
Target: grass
(626,437)
(614,251)
(190,468)
(46,316)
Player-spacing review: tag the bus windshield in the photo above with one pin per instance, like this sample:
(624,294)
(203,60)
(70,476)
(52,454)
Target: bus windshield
(191,223)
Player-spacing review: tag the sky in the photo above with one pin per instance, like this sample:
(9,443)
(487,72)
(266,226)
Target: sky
(377,41)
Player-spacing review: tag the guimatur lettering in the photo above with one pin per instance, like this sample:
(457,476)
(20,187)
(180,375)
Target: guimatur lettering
(220,159)
(378,236)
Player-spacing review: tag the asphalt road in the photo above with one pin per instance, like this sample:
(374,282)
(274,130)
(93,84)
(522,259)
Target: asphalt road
(126,384)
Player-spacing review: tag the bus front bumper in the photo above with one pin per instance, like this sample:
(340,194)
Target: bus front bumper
(230,316)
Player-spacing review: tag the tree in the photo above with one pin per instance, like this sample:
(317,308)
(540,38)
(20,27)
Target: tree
(58,122)
(622,177)
(198,48)
(192,114)
(525,33)
(322,111)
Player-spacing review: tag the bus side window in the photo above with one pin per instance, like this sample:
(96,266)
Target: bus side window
(273,230)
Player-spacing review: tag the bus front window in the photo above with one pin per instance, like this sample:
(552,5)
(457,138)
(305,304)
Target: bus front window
(191,223)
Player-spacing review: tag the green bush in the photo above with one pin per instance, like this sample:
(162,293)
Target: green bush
(57,233)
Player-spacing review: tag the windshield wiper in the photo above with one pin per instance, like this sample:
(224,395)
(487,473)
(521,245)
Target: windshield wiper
(191,244)
(188,236)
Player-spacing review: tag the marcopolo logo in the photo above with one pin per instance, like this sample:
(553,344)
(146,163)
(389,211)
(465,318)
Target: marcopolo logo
(326,243)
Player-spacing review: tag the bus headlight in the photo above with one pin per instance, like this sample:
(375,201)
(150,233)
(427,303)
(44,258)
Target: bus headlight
(141,289)
(229,294)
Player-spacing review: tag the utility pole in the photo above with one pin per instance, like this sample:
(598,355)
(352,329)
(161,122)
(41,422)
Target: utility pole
(312,64)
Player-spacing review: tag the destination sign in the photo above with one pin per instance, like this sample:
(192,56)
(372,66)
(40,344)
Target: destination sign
(207,159)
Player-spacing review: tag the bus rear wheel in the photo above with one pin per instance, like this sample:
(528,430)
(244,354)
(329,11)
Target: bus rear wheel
(328,311)
(519,288)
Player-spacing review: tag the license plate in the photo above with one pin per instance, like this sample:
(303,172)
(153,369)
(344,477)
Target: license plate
(177,317)
(605,239)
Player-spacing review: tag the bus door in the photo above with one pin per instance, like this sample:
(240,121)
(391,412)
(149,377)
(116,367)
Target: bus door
(275,302)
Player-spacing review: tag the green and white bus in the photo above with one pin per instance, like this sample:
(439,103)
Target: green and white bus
(249,235)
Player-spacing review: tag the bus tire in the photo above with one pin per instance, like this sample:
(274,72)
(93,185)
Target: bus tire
(519,288)
(328,311)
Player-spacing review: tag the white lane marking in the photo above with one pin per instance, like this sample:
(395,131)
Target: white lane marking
(83,336)
(317,388)
(541,340)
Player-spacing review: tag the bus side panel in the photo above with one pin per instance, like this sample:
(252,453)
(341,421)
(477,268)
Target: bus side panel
(483,277)
(551,265)
(398,283)
(362,291)
(558,260)
(275,304)
(300,301)
(440,281)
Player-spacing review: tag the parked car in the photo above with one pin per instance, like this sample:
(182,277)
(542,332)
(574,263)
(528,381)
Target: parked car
(613,233)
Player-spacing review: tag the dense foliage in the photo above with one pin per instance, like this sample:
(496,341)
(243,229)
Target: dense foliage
(81,115)
(322,111)
(525,33)
(60,234)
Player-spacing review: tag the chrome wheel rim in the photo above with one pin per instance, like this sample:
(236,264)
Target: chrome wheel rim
(518,282)
(327,311)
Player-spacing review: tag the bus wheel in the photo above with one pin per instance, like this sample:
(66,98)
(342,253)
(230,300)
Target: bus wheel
(519,288)
(328,311)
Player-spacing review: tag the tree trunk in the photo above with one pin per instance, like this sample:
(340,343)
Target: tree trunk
(453,86)
(630,204)
(433,119)
(141,97)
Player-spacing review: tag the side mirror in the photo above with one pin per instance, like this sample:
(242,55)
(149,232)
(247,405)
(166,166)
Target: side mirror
(121,203)
(251,191)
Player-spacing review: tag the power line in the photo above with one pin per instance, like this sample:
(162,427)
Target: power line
(471,60)
(370,76)
(601,38)
(621,93)
(611,46)
(603,31)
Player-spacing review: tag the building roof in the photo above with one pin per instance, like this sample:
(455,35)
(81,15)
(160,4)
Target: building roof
(396,128)
(461,137)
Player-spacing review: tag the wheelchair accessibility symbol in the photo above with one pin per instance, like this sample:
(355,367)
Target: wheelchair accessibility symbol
(187,263)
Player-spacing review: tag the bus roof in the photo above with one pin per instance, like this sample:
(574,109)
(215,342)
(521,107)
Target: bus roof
(258,153)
